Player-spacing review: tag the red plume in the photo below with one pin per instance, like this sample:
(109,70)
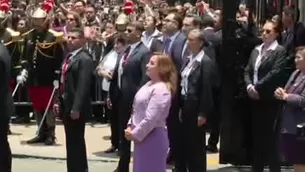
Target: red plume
(47,6)
(128,7)
(4,5)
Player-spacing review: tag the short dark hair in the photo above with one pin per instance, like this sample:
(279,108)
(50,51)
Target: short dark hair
(78,30)
(138,26)
(196,19)
(120,39)
(178,18)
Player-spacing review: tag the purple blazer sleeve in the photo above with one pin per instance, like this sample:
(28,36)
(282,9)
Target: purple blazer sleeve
(297,100)
(158,108)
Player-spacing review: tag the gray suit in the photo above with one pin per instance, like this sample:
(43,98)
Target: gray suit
(294,108)
(176,50)
(5,72)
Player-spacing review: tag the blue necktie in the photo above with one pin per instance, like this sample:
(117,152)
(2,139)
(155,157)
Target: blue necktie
(166,45)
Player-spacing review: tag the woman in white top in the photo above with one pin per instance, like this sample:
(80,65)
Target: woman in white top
(104,70)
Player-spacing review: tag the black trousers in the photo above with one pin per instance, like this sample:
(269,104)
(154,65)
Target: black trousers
(114,126)
(266,132)
(125,109)
(5,150)
(75,144)
(215,119)
(192,151)
(172,123)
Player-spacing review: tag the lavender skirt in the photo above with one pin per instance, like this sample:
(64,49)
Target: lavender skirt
(150,154)
(292,149)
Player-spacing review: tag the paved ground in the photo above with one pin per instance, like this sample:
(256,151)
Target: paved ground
(52,158)
(97,139)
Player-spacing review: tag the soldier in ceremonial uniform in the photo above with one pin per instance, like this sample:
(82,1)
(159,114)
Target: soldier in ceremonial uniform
(42,58)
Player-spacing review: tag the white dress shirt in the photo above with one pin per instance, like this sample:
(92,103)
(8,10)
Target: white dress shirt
(148,39)
(187,70)
(108,65)
(261,55)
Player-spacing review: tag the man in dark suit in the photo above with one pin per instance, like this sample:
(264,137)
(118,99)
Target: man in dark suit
(129,75)
(174,42)
(75,100)
(5,71)
(294,31)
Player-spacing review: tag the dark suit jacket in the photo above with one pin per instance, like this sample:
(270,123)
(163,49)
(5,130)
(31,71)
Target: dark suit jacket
(5,71)
(294,108)
(199,99)
(176,50)
(156,45)
(76,96)
(272,72)
(133,77)
(295,38)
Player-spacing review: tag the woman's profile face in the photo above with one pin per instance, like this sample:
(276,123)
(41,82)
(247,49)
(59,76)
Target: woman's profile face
(300,60)
(268,32)
(152,67)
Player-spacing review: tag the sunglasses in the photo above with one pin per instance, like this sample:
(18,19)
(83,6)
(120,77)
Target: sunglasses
(129,30)
(70,19)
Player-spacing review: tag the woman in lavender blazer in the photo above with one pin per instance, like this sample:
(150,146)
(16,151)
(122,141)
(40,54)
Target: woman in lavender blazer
(293,148)
(147,125)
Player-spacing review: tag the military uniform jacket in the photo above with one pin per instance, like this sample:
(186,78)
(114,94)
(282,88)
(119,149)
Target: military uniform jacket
(10,40)
(42,56)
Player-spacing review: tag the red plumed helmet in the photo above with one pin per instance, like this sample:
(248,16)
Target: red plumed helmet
(4,5)
(47,6)
(128,7)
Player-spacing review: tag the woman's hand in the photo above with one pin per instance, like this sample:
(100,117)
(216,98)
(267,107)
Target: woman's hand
(280,94)
(128,134)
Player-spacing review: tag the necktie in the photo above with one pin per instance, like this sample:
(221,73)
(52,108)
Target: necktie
(166,45)
(125,56)
(64,71)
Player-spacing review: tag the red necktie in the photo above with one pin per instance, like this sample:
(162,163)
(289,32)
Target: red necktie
(125,57)
(64,72)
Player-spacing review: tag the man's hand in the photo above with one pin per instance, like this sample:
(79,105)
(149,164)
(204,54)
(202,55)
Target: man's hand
(128,134)
(56,109)
(252,92)
(201,121)
(74,115)
(109,104)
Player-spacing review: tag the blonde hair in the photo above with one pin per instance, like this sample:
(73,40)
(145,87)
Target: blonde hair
(167,71)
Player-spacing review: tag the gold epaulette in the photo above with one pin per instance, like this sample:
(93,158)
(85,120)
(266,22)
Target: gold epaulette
(15,35)
(26,33)
(58,35)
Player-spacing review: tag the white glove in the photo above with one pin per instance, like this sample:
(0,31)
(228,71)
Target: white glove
(22,77)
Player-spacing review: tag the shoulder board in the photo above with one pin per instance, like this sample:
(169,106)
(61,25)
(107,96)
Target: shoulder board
(26,33)
(58,35)
(15,35)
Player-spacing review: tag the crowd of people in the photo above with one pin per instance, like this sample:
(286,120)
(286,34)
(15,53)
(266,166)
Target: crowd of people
(160,71)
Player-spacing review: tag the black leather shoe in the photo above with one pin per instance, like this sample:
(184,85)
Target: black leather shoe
(50,141)
(212,149)
(111,149)
(37,139)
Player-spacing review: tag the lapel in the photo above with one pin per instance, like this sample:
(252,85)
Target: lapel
(185,61)
(74,59)
(268,56)
(135,51)
(194,68)
(254,57)
(295,87)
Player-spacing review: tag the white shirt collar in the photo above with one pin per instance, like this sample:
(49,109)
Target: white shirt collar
(272,46)
(73,53)
(155,33)
(198,57)
(134,45)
